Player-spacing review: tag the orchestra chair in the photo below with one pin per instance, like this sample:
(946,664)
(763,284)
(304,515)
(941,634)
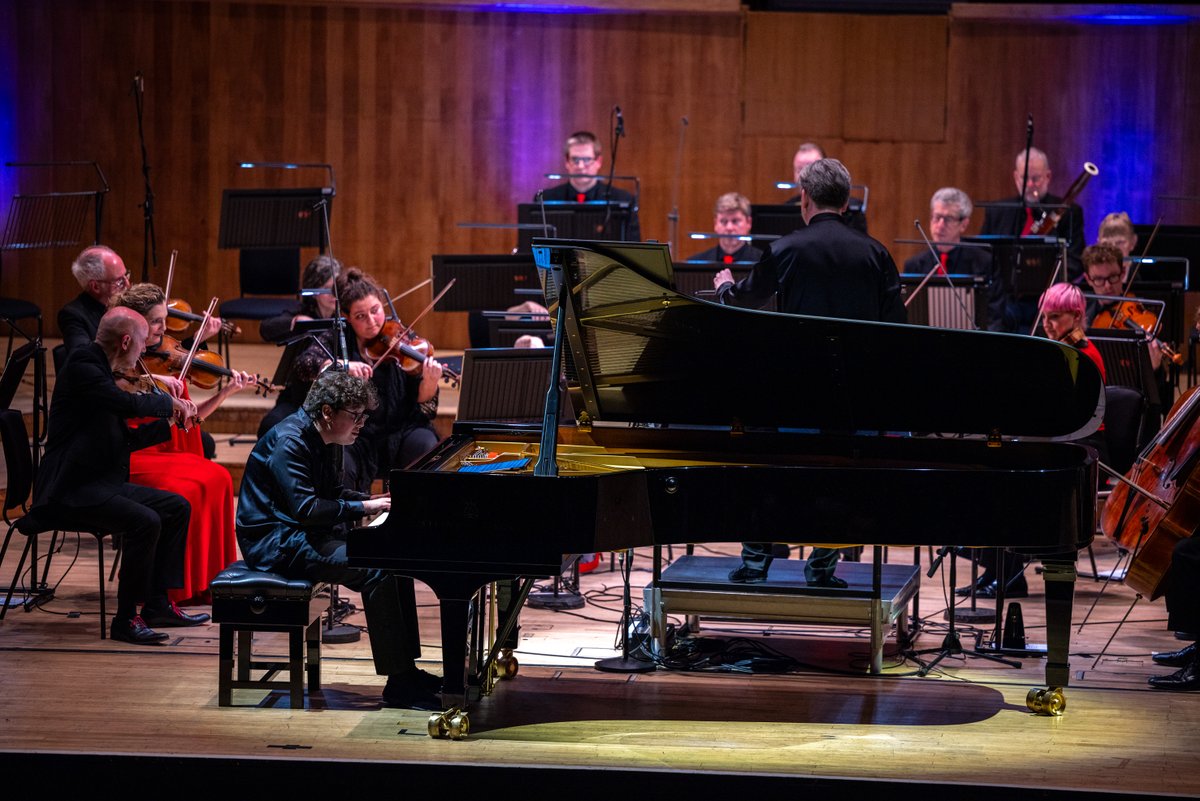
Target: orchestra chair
(18,459)
(14,309)
(244,601)
(268,283)
(1124,432)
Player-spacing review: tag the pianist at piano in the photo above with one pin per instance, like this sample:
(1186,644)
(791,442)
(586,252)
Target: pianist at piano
(826,269)
(293,508)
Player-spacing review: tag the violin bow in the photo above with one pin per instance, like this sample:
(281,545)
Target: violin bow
(170,277)
(187,362)
(1145,250)
(409,329)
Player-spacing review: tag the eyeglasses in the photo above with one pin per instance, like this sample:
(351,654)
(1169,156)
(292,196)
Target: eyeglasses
(581,161)
(947,218)
(1105,280)
(120,280)
(356,417)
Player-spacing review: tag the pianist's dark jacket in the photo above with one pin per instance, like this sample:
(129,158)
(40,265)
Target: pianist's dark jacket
(291,498)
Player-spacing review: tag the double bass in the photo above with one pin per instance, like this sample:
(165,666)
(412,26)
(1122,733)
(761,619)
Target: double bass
(1165,507)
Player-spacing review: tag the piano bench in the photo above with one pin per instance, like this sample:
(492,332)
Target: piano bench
(245,601)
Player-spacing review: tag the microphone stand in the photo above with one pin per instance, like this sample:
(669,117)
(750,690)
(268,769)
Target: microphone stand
(335,632)
(673,216)
(149,245)
(618,132)
(1025,178)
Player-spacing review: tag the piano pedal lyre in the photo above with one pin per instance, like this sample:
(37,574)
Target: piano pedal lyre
(1050,702)
(453,724)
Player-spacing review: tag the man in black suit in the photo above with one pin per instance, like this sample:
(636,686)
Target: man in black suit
(1183,615)
(1010,219)
(827,269)
(583,160)
(731,216)
(101,274)
(84,477)
(949,217)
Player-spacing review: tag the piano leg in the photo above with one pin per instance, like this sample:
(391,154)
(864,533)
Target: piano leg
(454,612)
(1059,575)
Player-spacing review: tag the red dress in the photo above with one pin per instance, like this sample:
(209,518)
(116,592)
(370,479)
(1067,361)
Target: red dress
(179,466)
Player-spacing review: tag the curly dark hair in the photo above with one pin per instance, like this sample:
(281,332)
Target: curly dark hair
(340,390)
(354,285)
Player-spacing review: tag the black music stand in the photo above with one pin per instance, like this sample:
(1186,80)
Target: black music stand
(593,220)
(38,221)
(1126,357)
(273,219)
(1024,265)
(484,281)
(775,219)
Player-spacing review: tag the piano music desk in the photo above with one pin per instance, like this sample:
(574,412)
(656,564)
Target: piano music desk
(698,585)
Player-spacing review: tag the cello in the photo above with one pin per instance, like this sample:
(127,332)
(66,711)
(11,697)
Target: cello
(1166,505)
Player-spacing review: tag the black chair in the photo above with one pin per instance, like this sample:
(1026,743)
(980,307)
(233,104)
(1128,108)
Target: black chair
(1124,425)
(268,280)
(14,309)
(18,459)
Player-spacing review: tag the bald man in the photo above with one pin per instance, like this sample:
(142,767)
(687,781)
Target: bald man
(84,477)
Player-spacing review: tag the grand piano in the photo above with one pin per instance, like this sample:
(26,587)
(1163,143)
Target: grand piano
(697,422)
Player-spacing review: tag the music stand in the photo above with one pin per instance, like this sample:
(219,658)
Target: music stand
(1126,357)
(274,219)
(484,281)
(1024,265)
(592,220)
(778,219)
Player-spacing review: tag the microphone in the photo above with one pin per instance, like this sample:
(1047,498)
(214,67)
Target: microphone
(620,121)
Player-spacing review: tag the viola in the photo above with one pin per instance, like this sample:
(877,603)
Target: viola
(409,351)
(207,368)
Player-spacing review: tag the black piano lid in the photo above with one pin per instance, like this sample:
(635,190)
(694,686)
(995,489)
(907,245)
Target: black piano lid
(646,354)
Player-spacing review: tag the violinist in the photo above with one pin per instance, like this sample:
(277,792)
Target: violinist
(318,274)
(1116,229)
(401,428)
(101,274)
(85,477)
(1105,274)
(179,466)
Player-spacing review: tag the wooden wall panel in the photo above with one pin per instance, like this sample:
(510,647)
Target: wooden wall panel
(896,79)
(436,117)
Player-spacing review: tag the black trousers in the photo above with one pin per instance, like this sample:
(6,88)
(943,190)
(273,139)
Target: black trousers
(390,603)
(819,567)
(1183,587)
(153,525)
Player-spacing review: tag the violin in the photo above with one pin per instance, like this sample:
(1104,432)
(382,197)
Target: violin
(144,384)
(1132,315)
(180,318)
(207,367)
(409,351)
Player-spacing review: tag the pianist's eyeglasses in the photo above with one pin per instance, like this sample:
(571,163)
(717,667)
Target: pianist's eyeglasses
(357,417)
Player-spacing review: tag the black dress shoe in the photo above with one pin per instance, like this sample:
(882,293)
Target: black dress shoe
(135,630)
(1186,678)
(830,582)
(427,680)
(408,692)
(172,616)
(1017,589)
(980,583)
(747,575)
(1178,658)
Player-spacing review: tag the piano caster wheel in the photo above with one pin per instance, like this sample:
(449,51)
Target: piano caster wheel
(1049,702)
(453,724)
(507,665)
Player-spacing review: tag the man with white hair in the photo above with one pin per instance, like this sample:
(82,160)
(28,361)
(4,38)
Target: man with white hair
(101,274)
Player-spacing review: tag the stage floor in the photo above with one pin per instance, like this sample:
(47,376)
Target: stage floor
(89,702)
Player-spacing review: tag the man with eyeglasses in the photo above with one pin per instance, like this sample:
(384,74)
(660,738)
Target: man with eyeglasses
(950,211)
(1104,271)
(292,513)
(101,274)
(582,160)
